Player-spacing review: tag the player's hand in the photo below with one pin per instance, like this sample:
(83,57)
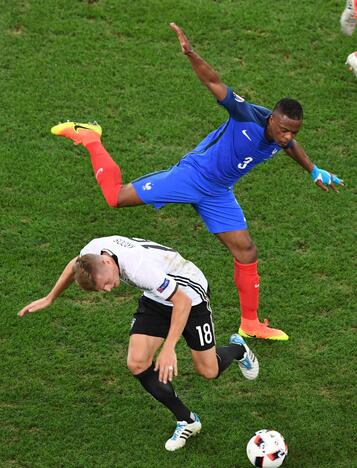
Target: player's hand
(166,364)
(185,45)
(325,179)
(35,306)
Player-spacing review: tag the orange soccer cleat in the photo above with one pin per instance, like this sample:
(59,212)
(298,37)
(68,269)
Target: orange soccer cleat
(255,329)
(79,133)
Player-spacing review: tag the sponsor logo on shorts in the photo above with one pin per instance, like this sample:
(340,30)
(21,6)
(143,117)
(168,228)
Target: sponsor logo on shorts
(132,323)
(147,186)
(164,285)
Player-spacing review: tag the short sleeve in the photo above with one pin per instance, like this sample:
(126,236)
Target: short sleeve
(236,106)
(166,289)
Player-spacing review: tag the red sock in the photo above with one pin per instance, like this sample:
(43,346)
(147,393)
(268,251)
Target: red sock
(246,279)
(106,171)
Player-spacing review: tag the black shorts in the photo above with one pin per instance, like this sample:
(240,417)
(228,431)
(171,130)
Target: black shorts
(153,319)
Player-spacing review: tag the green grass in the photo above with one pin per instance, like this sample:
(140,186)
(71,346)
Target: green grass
(66,397)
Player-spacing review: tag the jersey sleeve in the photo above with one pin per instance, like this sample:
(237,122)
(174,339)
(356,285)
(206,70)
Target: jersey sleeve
(165,286)
(236,106)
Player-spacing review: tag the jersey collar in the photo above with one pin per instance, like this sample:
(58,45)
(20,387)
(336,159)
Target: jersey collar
(114,257)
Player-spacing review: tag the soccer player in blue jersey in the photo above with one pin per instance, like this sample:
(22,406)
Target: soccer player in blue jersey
(206,175)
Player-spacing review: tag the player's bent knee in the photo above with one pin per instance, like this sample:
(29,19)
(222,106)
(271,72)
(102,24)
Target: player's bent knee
(246,246)
(128,197)
(252,251)
(137,366)
(208,373)
(245,252)
(240,245)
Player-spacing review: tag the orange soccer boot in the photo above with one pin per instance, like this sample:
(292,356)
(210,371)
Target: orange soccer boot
(79,133)
(255,329)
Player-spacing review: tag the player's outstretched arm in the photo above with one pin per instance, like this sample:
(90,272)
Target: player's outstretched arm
(322,178)
(204,71)
(166,362)
(65,280)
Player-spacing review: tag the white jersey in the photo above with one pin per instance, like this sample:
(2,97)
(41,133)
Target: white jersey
(155,269)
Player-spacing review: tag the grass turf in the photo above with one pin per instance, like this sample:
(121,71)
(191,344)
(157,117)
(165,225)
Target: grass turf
(66,398)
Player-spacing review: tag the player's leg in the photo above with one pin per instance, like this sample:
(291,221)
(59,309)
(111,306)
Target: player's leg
(208,360)
(142,348)
(246,279)
(348,18)
(174,185)
(348,24)
(224,217)
(106,171)
(211,363)
(246,276)
(141,352)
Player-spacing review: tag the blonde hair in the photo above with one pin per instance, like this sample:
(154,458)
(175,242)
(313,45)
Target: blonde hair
(85,270)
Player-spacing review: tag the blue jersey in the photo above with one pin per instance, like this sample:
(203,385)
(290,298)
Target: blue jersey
(238,145)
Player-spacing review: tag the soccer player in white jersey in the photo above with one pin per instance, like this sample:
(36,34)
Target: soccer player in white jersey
(175,302)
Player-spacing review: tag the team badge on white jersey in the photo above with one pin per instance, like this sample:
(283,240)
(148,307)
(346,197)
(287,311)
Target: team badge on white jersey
(164,285)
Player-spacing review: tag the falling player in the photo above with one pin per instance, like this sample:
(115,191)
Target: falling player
(175,302)
(205,176)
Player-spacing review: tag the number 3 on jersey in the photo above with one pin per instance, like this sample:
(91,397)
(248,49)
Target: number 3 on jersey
(245,162)
(205,334)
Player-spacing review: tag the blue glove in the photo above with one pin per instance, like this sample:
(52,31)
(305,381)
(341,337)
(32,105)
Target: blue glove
(325,177)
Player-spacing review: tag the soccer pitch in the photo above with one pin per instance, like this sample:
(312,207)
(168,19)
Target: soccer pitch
(66,396)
